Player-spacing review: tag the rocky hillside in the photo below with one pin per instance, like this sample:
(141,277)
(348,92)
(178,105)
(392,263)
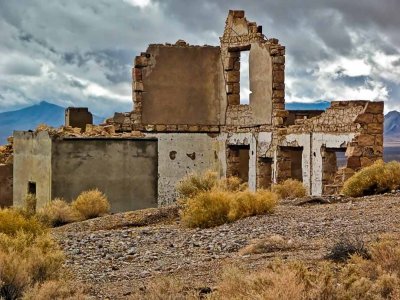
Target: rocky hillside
(117,254)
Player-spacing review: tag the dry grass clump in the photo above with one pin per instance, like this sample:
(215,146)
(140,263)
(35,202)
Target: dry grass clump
(272,243)
(216,207)
(55,289)
(347,247)
(193,184)
(165,288)
(13,221)
(25,260)
(378,178)
(376,277)
(30,204)
(289,189)
(58,212)
(91,204)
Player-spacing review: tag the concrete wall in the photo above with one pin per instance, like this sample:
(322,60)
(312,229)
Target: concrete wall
(125,170)
(183,85)
(180,154)
(6,185)
(32,163)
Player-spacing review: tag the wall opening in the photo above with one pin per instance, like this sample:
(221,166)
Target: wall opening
(32,188)
(332,160)
(244,78)
(290,163)
(264,172)
(238,161)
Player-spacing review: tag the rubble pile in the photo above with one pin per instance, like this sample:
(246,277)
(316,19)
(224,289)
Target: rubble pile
(6,152)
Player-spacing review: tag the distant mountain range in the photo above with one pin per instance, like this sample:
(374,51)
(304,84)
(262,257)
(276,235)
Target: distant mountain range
(29,117)
(53,115)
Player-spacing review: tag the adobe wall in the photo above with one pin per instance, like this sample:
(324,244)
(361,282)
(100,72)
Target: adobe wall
(78,117)
(32,163)
(6,185)
(124,169)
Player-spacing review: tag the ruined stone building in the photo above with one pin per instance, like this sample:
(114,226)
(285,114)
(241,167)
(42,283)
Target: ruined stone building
(188,117)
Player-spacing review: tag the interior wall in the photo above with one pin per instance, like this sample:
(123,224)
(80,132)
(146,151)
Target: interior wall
(183,85)
(6,185)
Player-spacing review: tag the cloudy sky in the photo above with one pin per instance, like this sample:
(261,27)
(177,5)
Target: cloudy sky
(79,52)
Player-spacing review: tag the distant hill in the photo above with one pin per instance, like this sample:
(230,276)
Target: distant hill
(29,117)
(392,123)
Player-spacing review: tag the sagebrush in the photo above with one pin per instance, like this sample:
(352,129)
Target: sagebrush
(378,178)
(289,189)
(58,212)
(13,221)
(91,204)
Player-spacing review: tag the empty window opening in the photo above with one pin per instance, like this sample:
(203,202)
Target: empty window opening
(264,172)
(244,77)
(32,188)
(332,160)
(290,163)
(238,162)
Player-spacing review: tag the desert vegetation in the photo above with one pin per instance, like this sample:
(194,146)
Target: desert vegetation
(376,276)
(378,178)
(208,201)
(89,204)
(290,189)
(29,259)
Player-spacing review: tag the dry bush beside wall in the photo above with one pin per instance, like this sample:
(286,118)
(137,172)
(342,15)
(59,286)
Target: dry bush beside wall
(12,221)
(193,184)
(91,204)
(58,212)
(290,189)
(216,207)
(378,178)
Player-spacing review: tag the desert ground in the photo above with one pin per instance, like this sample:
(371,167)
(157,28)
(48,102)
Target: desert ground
(116,254)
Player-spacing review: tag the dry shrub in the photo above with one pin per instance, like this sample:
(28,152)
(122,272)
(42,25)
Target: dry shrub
(30,204)
(12,221)
(378,178)
(272,243)
(216,207)
(165,288)
(274,282)
(91,204)
(193,184)
(289,189)
(207,209)
(27,259)
(58,212)
(55,289)
(346,247)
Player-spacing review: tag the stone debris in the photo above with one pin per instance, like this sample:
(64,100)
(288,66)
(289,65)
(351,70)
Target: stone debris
(6,152)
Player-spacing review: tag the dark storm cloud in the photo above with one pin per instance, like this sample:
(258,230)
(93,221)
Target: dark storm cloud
(79,52)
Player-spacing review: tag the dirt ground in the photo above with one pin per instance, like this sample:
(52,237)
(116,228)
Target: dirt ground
(115,254)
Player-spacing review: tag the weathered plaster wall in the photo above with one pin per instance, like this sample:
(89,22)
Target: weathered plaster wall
(182,85)
(6,185)
(124,169)
(180,154)
(32,162)
(260,75)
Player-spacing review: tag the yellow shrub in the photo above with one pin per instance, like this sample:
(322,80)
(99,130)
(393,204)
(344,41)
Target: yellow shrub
(194,184)
(216,207)
(30,204)
(245,203)
(27,259)
(55,289)
(12,221)
(290,188)
(378,178)
(207,209)
(91,204)
(58,212)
